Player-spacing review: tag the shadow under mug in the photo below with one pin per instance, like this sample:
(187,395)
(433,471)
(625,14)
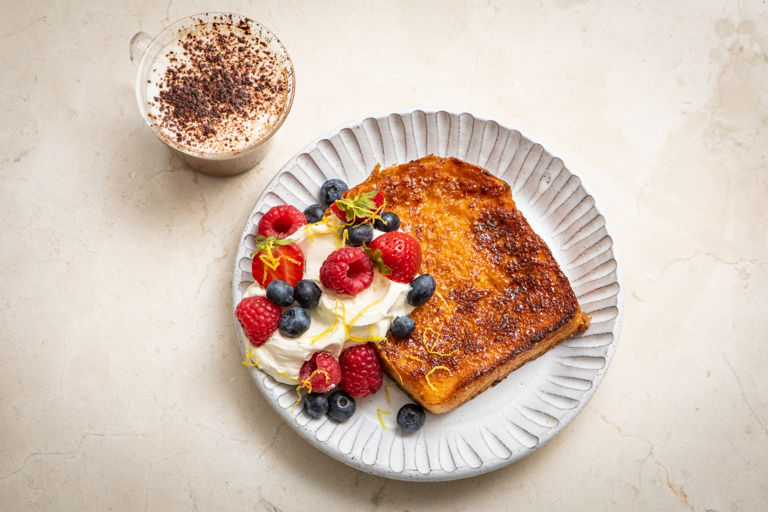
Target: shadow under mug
(144,49)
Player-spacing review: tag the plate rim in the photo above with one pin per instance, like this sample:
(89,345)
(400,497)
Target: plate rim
(431,475)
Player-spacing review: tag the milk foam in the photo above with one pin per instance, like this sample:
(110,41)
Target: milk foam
(250,77)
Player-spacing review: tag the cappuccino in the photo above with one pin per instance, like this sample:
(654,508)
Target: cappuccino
(220,86)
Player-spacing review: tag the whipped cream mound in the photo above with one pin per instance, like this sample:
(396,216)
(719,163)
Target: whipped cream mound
(339,321)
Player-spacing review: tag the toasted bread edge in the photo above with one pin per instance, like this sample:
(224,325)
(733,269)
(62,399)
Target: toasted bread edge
(578,323)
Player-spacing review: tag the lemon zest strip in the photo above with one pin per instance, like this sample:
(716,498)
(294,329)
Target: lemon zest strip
(250,359)
(361,340)
(362,311)
(283,374)
(440,296)
(307,384)
(348,325)
(379,412)
(433,370)
(316,229)
(328,330)
(298,400)
(310,232)
(270,262)
(409,356)
(386,393)
(431,349)
(332,227)
(374,338)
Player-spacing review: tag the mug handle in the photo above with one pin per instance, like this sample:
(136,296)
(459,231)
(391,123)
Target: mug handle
(138,45)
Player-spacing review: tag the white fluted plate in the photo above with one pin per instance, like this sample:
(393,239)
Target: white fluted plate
(535,402)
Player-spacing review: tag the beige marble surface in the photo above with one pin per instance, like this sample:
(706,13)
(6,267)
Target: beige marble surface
(120,379)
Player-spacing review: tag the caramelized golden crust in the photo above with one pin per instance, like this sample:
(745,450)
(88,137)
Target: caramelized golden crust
(501,298)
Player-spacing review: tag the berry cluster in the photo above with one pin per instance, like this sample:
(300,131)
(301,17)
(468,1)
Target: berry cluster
(356,374)
(357,371)
(278,266)
(395,254)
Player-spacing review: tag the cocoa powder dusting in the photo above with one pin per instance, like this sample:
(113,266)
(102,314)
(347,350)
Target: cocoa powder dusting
(220,85)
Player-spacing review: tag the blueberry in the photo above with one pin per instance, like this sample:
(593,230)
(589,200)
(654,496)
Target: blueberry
(280,292)
(422,289)
(341,406)
(389,221)
(402,326)
(411,417)
(331,191)
(307,293)
(314,213)
(316,404)
(294,322)
(356,235)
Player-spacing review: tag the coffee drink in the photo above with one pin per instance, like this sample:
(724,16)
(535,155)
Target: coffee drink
(218,87)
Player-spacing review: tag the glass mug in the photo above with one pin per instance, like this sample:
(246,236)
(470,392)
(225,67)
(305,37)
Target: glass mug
(148,53)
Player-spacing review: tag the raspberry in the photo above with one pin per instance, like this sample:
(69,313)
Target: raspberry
(259,318)
(321,373)
(360,371)
(347,271)
(281,221)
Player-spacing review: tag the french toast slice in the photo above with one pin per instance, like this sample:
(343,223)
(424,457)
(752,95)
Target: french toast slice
(501,297)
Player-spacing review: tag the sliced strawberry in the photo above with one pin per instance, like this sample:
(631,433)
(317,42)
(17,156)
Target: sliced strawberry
(276,259)
(396,255)
(354,210)
(281,221)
